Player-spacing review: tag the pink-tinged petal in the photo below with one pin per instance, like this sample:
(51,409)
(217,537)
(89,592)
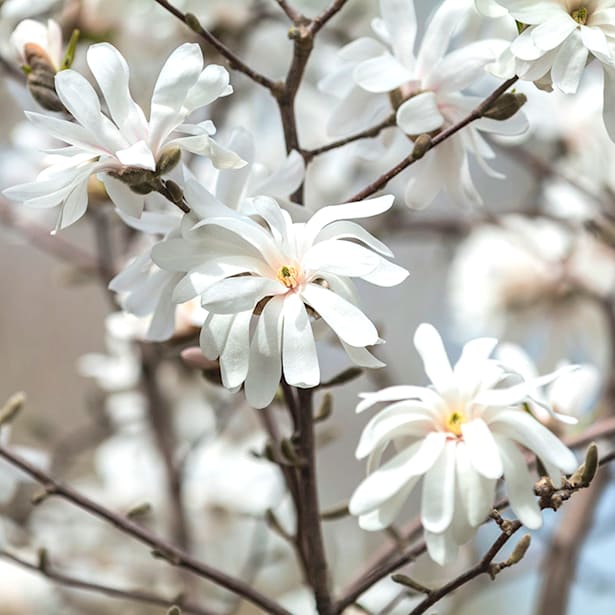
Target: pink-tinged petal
(234,358)
(399,18)
(386,513)
(128,202)
(477,492)
(569,64)
(519,485)
(608,108)
(553,32)
(299,358)
(178,75)
(520,426)
(420,114)
(333,213)
(80,99)
(381,74)
(341,258)
(396,393)
(362,357)
(234,295)
(405,416)
(346,320)
(393,475)
(442,548)
(438,497)
(111,72)
(482,449)
(265,356)
(428,344)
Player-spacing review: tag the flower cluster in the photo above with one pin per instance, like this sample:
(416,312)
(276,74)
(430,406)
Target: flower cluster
(460,436)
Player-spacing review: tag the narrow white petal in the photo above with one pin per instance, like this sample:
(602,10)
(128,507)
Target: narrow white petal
(234,358)
(482,448)
(381,74)
(341,258)
(385,514)
(477,492)
(420,114)
(428,343)
(233,295)
(438,498)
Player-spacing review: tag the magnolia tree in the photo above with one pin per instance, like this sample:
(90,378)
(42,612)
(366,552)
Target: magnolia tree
(205,142)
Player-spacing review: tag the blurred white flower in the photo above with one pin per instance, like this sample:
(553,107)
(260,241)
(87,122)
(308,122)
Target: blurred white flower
(425,89)
(33,37)
(460,435)
(560,38)
(129,146)
(286,274)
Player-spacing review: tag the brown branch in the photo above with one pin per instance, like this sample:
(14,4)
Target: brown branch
(374,131)
(312,530)
(409,160)
(292,13)
(113,592)
(233,60)
(161,548)
(483,567)
(321,20)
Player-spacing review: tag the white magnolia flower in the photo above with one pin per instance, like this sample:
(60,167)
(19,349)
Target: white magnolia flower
(460,435)
(425,89)
(278,276)
(32,35)
(146,290)
(127,143)
(560,38)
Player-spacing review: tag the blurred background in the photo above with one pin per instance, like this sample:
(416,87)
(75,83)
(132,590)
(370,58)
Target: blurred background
(518,268)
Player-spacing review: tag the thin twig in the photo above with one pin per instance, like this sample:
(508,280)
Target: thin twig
(162,549)
(292,13)
(321,20)
(409,160)
(374,131)
(234,61)
(112,592)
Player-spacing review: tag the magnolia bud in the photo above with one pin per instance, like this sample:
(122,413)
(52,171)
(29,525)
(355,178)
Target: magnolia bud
(422,144)
(506,106)
(168,160)
(12,407)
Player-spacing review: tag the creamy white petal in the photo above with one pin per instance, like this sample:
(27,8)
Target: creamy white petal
(233,295)
(234,358)
(385,514)
(341,258)
(381,74)
(420,114)
(438,497)
(482,449)
(428,344)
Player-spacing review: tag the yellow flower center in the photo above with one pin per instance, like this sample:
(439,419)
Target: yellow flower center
(454,421)
(289,276)
(580,15)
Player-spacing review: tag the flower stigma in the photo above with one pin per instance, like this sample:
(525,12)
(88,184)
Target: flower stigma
(454,421)
(289,276)
(580,15)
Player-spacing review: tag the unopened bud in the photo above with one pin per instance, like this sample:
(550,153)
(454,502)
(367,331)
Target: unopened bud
(326,408)
(12,407)
(422,144)
(402,579)
(192,21)
(139,510)
(505,106)
(590,465)
(520,550)
(174,191)
(168,160)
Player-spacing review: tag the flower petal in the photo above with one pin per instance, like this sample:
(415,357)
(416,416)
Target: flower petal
(438,498)
(482,448)
(429,345)
(419,114)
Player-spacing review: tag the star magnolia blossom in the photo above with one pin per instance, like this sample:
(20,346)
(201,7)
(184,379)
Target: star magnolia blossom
(460,435)
(425,89)
(560,37)
(46,40)
(129,143)
(263,285)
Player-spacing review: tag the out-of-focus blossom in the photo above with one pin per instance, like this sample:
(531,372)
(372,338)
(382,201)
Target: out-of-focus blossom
(285,274)
(32,37)
(129,153)
(460,436)
(426,92)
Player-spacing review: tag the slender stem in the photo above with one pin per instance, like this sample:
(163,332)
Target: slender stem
(312,529)
(374,131)
(409,160)
(292,13)
(112,592)
(321,20)
(163,549)
(483,567)
(234,61)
